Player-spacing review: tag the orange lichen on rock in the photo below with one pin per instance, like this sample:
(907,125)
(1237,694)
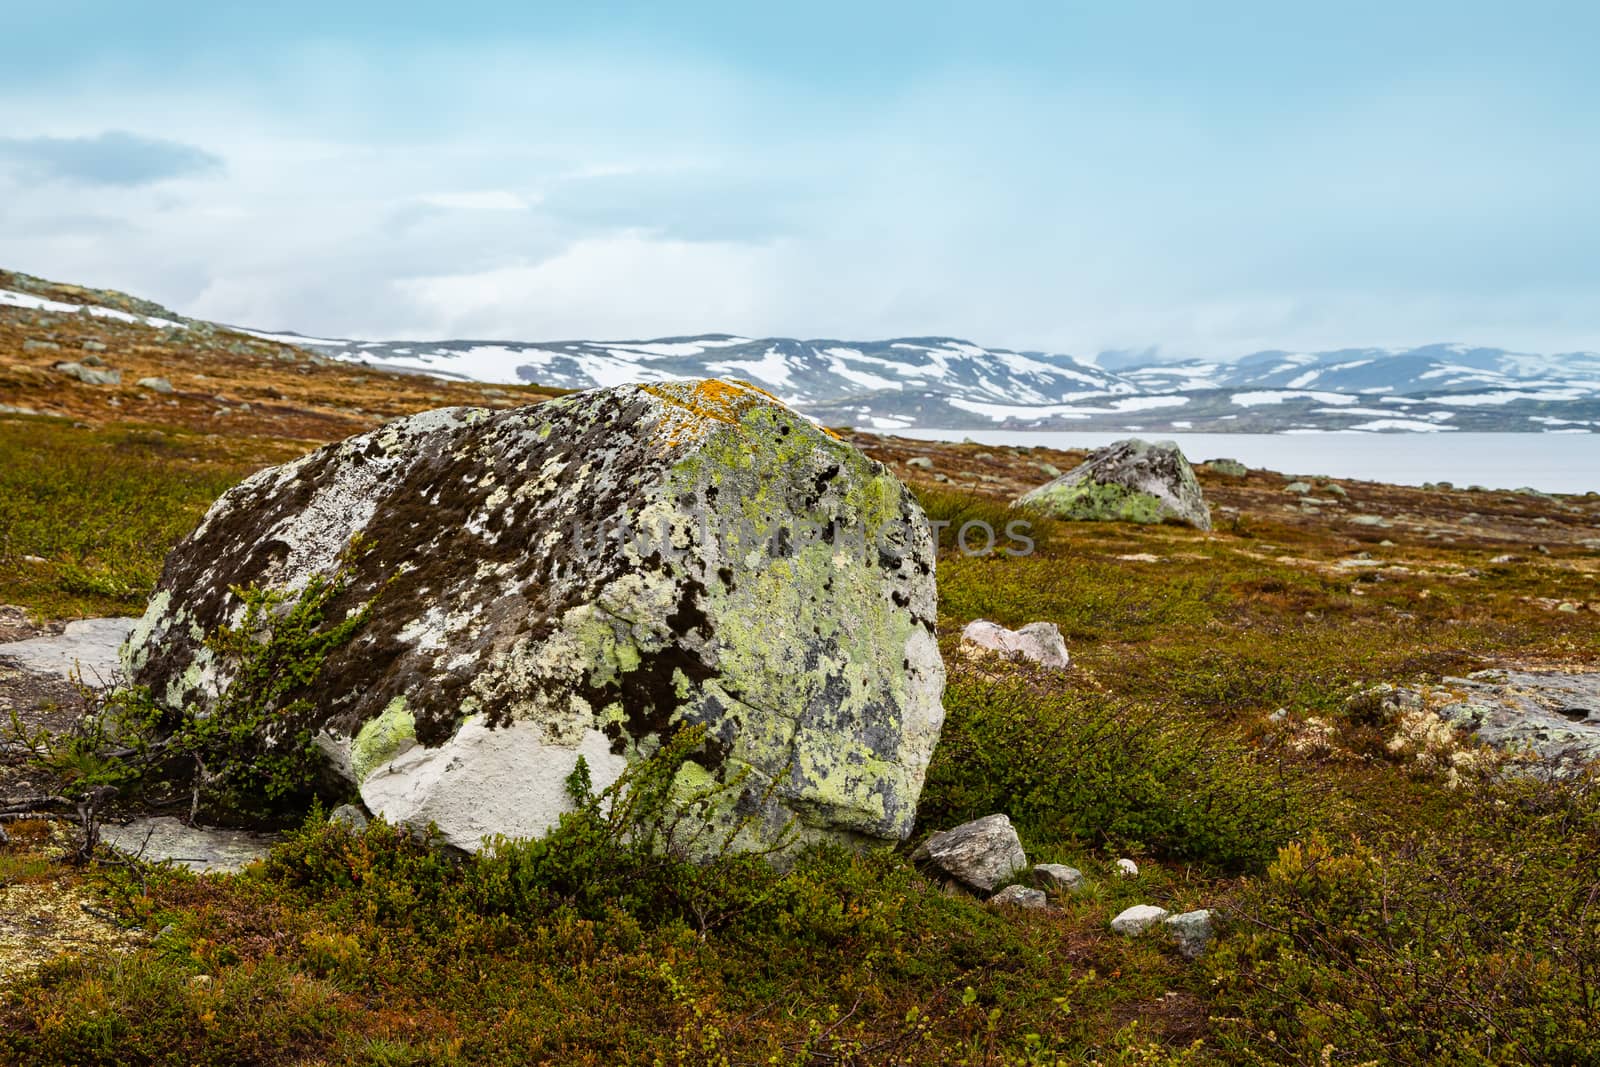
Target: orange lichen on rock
(702,403)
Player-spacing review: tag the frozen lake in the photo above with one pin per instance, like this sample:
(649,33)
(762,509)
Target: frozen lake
(1551,462)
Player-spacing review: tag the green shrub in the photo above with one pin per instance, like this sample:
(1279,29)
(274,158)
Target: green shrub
(1477,942)
(1091,769)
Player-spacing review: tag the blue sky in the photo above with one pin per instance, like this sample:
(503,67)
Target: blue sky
(1198,178)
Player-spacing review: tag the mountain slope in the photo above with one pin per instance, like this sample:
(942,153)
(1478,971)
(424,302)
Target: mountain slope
(943,382)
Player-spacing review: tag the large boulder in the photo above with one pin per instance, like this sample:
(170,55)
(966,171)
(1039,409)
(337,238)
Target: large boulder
(1129,481)
(583,578)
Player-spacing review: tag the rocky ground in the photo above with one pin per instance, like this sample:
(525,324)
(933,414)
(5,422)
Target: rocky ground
(1269,721)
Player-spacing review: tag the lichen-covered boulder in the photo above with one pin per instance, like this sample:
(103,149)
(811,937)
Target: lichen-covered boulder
(1129,481)
(585,577)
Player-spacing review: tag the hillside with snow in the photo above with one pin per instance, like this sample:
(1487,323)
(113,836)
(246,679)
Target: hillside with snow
(947,383)
(954,384)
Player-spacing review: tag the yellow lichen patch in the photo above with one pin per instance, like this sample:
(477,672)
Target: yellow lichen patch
(698,406)
(42,920)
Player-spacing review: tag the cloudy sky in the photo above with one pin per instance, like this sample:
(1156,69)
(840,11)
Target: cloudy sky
(1201,178)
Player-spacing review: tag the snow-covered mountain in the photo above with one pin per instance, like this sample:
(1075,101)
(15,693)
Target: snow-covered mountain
(954,384)
(943,382)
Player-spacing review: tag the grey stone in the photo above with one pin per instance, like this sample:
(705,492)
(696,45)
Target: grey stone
(1192,931)
(155,385)
(1049,470)
(1057,877)
(1231,467)
(92,345)
(1552,717)
(1129,481)
(1369,520)
(89,375)
(1020,896)
(1130,922)
(349,816)
(1037,642)
(31,345)
(205,851)
(88,646)
(980,854)
(1126,868)
(577,579)
(920,463)
(1298,488)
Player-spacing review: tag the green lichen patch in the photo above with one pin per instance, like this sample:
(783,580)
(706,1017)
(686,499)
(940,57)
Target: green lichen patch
(1089,501)
(382,739)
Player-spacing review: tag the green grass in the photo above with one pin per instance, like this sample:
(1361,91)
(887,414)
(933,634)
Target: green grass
(1369,912)
(87,515)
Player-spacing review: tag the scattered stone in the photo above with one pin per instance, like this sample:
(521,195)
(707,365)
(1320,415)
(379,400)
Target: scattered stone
(31,345)
(1037,642)
(163,838)
(92,345)
(1369,520)
(1131,922)
(1298,488)
(1049,470)
(1126,868)
(1231,467)
(348,816)
(1336,489)
(980,854)
(155,385)
(1192,931)
(581,578)
(89,375)
(1129,481)
(1057,877)
(92,361)
(1020,896)
(921,463)
(88,646)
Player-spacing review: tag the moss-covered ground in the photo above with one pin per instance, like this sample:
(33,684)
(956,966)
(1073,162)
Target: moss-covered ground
(1371,908)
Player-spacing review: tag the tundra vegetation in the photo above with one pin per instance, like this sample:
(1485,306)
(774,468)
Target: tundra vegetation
(1377,902)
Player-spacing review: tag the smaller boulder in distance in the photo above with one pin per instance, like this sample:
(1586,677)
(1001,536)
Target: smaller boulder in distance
(980,854)
(1129,481)
(1038,642)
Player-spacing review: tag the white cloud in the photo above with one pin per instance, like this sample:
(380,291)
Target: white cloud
(482,200)
(613,287)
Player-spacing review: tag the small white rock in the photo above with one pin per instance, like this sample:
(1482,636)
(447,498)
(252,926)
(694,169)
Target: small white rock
(1039,642)
(1126,868)
(1137,919)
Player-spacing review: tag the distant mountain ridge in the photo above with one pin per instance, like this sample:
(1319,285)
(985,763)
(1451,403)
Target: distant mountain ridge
(950,383)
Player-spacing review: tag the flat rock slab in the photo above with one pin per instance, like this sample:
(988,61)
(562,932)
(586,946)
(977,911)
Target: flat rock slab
(88,645)
(1551,715)
(202,850)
